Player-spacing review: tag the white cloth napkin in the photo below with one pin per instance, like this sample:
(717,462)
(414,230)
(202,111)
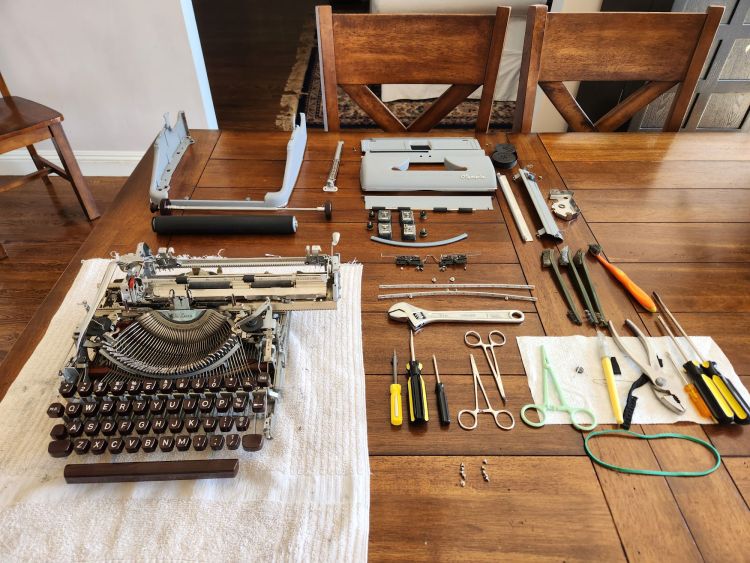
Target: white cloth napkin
(304,496)
(589,388)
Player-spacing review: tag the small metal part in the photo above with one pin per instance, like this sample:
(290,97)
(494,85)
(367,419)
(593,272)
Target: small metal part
(549,227)
(588,310)
(579,369)
(580,263)
(408,232)
(548,261)
(423,214)
(451,279)
(384,216)
(384,231)
(463,483)
(369,225)
(484,462)
(434,203)
(405,217)
(452,260)
(434,280)
(456,285)
(407,260)
(445,242)
(371,214)
(564,205)
(423,232)
(331,181)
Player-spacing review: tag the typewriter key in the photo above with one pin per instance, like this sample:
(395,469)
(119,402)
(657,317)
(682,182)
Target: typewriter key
(134,386)
(149,444)
(142,426)
(117,387)
(200,441)
(107,407)
(209,423)
(75,428)
(123,407)
(82,446)
(156,406)
(140,406)
(222,404)
(132,444)
(100,388)
(67,390)
(109,427)
(226,423)
(72,410)
(175,424)
(197,384)
(241,423)
(149,386)
(233,441)
(182,442)
(165,385)
(125,426)
(115,445)
(55,410)
(60,448)
(206,404)
(173,406)
(182,384)
(192,424)
(216,441)
(214,383)
(90,409)
(166,443)
(239,403)
(91,427)
(189,404)
(98,446)
(58,432)
(252,442)
(159,424)
(84,388)
(230,382)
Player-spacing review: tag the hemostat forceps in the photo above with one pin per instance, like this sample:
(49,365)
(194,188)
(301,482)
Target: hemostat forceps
(476,411)
(649,374)
(542,410)
(473,340)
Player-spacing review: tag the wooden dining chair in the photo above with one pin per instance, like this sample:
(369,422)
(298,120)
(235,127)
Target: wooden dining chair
(361,49)
(664,49)
(23,123)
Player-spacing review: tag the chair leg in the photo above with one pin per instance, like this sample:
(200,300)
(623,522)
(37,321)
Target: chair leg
(39,165)
(70,165)
(3,254)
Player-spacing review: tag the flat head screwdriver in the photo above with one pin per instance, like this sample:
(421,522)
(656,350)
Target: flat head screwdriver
(415,385)
(445,417)
(396,412)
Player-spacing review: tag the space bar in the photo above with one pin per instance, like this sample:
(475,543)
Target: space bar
(150,471)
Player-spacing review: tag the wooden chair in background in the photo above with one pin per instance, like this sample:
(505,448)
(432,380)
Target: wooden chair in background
(664,49)
(361,49)
(23,123)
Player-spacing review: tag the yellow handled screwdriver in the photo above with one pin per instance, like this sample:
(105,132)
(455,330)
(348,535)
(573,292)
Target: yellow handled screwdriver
(609,376)
(396,412)
(415,385)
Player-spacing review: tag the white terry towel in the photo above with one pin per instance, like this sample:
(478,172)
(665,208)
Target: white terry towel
(589,389)
(304,496)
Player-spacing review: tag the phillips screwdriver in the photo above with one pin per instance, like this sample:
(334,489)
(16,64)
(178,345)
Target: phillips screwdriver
(415,385)
(396,412)
(445,417)
(691,390)
(721,397)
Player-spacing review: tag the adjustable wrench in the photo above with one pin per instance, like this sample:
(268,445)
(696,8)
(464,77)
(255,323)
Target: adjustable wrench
(417,318)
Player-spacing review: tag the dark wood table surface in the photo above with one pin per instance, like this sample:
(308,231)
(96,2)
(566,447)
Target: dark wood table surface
(671,209)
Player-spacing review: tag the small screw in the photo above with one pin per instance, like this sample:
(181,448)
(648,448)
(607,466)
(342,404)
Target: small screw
(423,233)
(451,279)
(371,214)
(423,214)
(579,369)
(434,280)
(463,483)
(484,462)
(369,225)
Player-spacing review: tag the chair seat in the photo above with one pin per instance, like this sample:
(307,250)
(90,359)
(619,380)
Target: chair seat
(19,114)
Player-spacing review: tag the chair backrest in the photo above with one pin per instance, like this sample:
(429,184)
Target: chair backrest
(4,92)
(361,49)
(664,49)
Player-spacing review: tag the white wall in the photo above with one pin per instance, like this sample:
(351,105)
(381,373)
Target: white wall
(111,68)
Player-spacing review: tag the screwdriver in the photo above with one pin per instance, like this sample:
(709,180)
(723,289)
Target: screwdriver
(415,385)
(609,376)
(445,417)
(691,390)
(641,296)
(722,399)
(396,413)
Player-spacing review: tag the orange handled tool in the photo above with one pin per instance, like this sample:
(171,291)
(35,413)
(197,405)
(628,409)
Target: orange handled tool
(641,296)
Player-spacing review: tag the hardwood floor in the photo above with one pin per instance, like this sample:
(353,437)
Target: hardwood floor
(41,230)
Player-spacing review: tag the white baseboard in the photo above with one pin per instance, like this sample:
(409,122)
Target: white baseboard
(92,163)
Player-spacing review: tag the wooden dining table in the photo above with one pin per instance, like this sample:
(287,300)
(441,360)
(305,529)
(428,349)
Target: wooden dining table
(672,210)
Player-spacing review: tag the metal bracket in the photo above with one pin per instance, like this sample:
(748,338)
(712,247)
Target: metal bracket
(169,146)
(565,206)
(549,227)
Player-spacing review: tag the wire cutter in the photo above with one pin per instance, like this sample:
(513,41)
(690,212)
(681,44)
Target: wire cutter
(649,374)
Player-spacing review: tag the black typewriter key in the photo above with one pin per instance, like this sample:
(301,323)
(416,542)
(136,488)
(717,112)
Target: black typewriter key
(117,387)
(109,427)
(84,388)
(140,406)
(230,383)
(166,443)
(239,403)
(90,409)
(222,404)
(189,404)
(209,423)
(132,444)
(55,410)
(214,383)
(116,445)
(173,406)
(149,444)
(252,442)
(82,446)
(142,426)
(248,383)
(58,432)
(182,384)
(200,441)
(216,441)
(262,380)
(197,384)
(72,410)
(205,404)
(182,442)
(150,386)
(156,406)
(134,386)
(98,446)
(75,428)
(165,385)
(192,424)
(91,427)
(107,408)
(123,407)
(125,426)
(242,423)
(233,441)
(159,425)
(67,390)
(60,448)
(226,423)
(259,402)
(175,424)
(101,388)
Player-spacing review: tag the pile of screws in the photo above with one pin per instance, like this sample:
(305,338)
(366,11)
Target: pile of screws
(462,473)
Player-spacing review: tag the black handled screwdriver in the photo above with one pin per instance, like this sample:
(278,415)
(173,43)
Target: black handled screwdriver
(415,384)
(445,417)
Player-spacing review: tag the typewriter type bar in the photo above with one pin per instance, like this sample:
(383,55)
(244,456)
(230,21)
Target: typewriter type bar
(151,471)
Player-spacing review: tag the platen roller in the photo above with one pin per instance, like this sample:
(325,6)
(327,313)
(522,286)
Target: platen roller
(225,225)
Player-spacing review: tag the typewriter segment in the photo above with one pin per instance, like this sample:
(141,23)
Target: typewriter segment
(179,355)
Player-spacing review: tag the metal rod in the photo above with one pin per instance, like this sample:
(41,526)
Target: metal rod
(504,296)
(454,285)
(677,325)
(331,181)
(671,335)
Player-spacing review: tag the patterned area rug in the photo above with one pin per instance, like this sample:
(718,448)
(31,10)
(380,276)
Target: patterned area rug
(464,116)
